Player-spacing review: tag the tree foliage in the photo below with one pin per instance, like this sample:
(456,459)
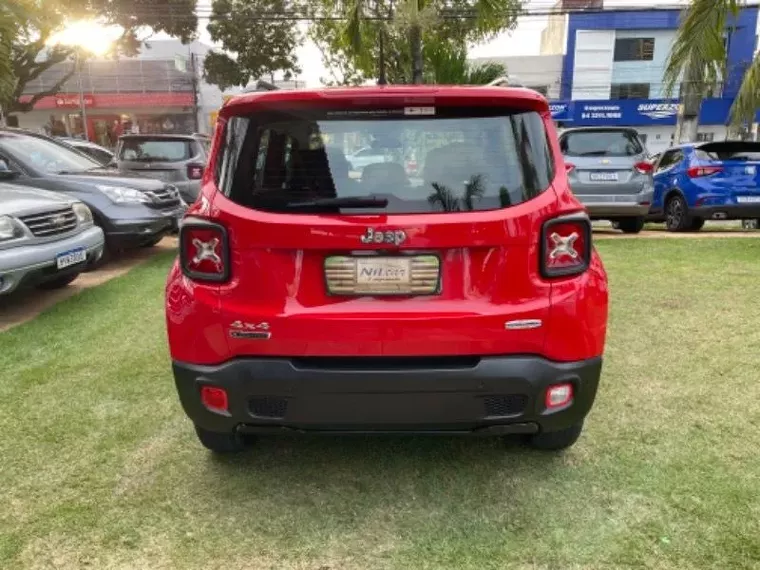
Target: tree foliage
(446,26)
(449,66)
(34,22)
(261,37)
(699,54)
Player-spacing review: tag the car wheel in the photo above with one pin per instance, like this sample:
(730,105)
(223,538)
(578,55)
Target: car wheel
(218,442)
(557,440)
(676,216)
(58,282)
(696,224)
(631,225)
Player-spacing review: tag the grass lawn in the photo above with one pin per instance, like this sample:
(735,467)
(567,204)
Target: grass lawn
(100,469)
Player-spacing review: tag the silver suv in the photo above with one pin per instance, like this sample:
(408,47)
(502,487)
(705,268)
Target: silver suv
(179,160)
(609,172)
(46,239)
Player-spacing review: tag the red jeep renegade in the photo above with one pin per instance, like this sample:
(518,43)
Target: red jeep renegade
(389,259)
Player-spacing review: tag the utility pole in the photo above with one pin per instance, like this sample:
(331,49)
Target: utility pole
(82,105)
(193,69)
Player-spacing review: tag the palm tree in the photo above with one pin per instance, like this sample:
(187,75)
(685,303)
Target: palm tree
(699,54)
(450,67)
(8,25)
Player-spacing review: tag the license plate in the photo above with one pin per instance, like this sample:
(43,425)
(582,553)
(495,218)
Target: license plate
(603,176)
(72,257)
(748,199)
(371,275)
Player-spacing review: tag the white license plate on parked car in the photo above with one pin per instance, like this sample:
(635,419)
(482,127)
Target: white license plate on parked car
(603,176)
(72,257)
(748,199)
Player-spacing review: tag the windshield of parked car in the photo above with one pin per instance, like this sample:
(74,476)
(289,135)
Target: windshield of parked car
(430,160)
(601,143)
(44,154)
(142,150)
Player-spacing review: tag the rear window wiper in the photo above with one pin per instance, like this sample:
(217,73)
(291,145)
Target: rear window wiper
(346,202)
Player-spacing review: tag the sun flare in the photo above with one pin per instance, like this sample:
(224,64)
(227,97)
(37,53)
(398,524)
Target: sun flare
(87,34)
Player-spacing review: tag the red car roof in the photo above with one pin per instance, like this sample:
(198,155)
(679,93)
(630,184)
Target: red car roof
(394,94)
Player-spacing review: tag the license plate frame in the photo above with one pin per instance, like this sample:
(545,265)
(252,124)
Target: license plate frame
(70,257)
(748,199)
(603,177)
(394,275)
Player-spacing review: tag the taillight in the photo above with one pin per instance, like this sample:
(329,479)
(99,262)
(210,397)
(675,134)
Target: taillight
(195,171)
(699,171)
(565,246)
(643,167)
(569,167)
(215,399)
(204,250)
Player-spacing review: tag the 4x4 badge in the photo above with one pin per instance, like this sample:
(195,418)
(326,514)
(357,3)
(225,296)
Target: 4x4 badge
(396,237)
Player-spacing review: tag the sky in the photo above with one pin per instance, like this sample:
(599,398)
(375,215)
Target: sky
(525,39)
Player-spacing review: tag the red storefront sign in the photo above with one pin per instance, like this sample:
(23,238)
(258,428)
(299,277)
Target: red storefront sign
(114,100)
(73,101)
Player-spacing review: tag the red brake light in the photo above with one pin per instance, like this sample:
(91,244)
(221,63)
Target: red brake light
(214,399)
(204,251)
(698,171)
(565,246)
(643,167)
(195,171)
(569,167)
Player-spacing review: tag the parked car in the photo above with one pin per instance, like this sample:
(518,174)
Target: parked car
(706,181)
(609,173)
(46,239)
(96,152)
(132,211)
(366,156)
(177,159)
(469,300)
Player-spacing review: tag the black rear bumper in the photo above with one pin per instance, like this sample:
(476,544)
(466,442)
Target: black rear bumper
(488,395)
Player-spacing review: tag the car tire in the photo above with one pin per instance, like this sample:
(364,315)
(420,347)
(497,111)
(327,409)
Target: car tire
(58,282)
(696,224)
(631,225)
(219,442)
(676,214)
(556,440)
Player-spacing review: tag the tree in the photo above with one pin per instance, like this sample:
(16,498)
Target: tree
(34,22)
(260,35)
(412,30)
(699,55)
(449,66)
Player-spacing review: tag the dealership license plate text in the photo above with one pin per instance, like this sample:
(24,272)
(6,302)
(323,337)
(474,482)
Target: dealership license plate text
(603,176)
(748,199)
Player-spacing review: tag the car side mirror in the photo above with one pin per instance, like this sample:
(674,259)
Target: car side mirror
(5,172)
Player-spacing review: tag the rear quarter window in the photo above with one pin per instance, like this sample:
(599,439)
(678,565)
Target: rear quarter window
(460,159)
(601,143)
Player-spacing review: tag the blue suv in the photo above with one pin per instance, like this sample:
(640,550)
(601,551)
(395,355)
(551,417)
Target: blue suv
(706,181)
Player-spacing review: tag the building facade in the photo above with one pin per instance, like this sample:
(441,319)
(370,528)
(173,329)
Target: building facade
(542,73)
(159,91)
(613,66)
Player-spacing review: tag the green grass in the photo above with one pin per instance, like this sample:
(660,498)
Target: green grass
(100,469)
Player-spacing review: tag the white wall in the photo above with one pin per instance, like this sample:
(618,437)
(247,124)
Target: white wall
(532,71)
(592,71)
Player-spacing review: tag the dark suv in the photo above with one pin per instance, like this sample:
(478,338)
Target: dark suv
(176,159)
(465,299)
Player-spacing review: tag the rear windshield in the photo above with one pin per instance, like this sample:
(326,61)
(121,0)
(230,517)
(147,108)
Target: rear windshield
(730,150)
(420,160)
(142,150)
(601,143)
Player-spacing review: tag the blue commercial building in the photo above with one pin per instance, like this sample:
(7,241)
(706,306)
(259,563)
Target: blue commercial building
(613,66)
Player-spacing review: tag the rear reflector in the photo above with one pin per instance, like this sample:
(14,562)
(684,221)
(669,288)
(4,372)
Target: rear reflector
(204,250)
(569,167)
(559,395)
(643,167)
(699,171)
(214,399)
(565,246)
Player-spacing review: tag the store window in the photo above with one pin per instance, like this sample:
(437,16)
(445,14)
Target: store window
(634,49)
(629,91)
